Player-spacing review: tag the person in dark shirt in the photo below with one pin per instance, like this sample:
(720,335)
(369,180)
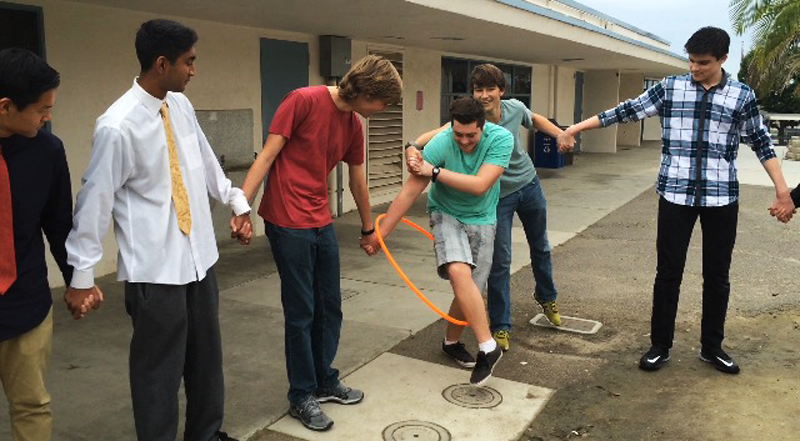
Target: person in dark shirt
(35,197)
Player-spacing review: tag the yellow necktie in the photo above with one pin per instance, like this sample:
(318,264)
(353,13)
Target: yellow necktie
(179,195)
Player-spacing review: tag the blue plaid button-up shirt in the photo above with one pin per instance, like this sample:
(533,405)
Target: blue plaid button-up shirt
(700,134)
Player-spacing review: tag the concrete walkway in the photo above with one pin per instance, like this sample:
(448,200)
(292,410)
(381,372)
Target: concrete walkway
(88,374)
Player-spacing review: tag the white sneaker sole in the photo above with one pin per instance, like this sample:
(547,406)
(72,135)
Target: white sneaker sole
(465,365)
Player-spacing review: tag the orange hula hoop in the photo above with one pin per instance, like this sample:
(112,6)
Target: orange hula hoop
(403,274)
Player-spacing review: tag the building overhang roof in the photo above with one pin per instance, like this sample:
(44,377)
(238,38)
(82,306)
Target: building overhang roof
(493,29)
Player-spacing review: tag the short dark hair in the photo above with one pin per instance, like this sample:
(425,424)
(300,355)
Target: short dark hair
(24,77)
(166,38)
(467,110)
(709,40)
(487,75)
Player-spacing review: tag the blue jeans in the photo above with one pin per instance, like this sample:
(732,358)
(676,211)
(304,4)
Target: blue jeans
(531,206)
(308,265)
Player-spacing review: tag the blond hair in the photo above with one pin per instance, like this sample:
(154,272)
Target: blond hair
(372,77)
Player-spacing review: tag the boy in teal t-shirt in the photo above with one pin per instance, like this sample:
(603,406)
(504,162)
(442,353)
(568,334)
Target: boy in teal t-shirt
(443,151)
(464,163)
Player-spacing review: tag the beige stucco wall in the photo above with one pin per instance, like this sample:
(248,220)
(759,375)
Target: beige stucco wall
(92,47)
(600,92)
(630,86)
(96,74)
(542,90)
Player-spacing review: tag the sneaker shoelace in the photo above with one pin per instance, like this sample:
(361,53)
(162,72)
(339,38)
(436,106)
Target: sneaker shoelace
(341,391)
(551,307)
(460,349)
(310,408)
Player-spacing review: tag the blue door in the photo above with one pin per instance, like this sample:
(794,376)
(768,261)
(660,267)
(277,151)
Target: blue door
(284,67)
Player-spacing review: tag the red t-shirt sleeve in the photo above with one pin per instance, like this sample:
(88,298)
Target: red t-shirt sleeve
(355,151)
(290,114)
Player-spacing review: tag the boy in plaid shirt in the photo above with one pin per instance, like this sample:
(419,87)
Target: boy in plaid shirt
(704,115)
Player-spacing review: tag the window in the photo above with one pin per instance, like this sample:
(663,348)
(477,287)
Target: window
(455,82)
(21,26)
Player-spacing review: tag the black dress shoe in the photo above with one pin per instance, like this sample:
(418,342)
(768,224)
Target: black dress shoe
(222,436)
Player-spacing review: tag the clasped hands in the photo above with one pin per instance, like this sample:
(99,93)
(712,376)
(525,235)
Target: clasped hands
(81,301)
(783,208)
(565,142)
(242,228)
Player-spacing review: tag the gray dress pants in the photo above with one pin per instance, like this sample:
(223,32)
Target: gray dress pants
(176,335)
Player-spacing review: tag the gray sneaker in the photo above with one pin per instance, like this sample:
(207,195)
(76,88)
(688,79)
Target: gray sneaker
(309,413)
(340,394)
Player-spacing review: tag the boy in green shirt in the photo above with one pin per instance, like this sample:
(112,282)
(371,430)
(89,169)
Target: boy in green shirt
(464,163)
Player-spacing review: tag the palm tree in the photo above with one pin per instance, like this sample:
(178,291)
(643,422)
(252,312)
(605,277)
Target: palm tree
(776,45)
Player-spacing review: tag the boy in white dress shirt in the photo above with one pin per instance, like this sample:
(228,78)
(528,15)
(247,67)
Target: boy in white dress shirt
(153,169)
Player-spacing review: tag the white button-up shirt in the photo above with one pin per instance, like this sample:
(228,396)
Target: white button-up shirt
(129,177)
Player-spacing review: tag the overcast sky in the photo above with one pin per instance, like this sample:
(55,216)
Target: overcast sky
(676,21)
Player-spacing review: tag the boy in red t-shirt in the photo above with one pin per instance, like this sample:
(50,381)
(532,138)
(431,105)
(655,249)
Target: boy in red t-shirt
(313,129)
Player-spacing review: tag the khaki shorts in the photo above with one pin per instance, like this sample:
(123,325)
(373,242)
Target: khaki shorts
(454,241)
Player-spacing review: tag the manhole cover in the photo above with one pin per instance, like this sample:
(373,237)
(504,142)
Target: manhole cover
(472,397)
(570,324)
(415,431)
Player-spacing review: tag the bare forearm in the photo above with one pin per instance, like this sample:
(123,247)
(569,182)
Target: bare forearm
(544,125)
(358,187)
(408,194)
(474,185)
(260,168)
(773,169)
(587,124)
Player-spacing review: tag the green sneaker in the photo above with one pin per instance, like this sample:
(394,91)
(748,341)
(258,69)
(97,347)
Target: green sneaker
(503,339)
(550,310)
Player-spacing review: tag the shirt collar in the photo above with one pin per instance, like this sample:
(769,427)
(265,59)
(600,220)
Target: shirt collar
(721,85)
(151,103)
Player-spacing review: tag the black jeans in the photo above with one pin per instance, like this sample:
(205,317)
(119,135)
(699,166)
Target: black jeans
(176,335)
(675,225)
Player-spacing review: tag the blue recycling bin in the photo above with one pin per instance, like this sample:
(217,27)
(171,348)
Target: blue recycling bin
(546,153)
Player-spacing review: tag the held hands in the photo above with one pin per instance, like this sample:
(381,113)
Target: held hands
(370,244)
(566,142)
(242,228)
(783,208)
(418,166)
(81,301)
(412,152)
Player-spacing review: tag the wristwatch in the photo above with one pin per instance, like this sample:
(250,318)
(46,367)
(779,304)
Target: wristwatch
(413,144)
(435,173)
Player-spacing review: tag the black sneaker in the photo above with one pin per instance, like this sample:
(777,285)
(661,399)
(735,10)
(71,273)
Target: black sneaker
(340,394)
(222,436)
(459,354)
(722,361)
(309,413)
(653,359)
(484,366)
